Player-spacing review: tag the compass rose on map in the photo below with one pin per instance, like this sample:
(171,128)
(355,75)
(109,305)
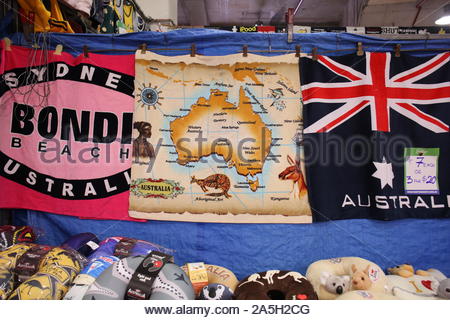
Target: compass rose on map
(149,96)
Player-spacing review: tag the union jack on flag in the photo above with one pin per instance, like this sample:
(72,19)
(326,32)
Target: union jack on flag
(380,91)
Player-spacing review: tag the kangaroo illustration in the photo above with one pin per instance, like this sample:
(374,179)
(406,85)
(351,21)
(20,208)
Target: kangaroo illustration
(294,173)
(269,275)
(252,278)
(297,276)
(215,181)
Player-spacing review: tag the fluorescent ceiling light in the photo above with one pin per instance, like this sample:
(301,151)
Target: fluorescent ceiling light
(445,19)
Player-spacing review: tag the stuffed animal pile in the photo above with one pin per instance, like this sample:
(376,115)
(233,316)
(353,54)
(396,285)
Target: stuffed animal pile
(348,278)
(83,268)
(406,283)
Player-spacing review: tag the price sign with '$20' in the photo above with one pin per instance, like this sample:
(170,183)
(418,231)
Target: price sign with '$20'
(421,171)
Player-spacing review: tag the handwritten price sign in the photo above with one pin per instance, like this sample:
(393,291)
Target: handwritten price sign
(421,171)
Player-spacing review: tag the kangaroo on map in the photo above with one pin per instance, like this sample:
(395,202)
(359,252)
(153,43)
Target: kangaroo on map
(294,173)
(215,181)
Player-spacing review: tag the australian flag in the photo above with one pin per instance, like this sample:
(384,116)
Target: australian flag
(376,135)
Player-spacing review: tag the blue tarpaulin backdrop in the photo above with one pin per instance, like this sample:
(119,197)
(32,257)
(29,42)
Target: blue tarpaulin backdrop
(252,248)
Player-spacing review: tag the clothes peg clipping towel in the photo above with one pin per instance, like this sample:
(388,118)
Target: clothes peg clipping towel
(359,49)
(143,48)
(58,50)
(86,51)
(297,51)
(7,42)
(314,54)
(397,50)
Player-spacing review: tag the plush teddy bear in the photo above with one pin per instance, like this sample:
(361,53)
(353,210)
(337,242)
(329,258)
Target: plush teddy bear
(361,279)
(406,271)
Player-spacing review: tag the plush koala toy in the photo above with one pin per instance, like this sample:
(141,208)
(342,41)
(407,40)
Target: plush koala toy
(216,291)
(335,284)
(444,289)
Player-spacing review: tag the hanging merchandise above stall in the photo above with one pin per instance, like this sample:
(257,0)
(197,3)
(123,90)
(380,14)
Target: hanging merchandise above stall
(84,6)
(377,131)
(121,16)
(128,13)
(110,19)
(65,149)
(87,16)
(44,19)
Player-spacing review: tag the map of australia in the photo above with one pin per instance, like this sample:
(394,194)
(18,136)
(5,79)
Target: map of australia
(229,120)
(216,139)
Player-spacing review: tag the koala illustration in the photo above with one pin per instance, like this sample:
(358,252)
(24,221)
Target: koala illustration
(335,284)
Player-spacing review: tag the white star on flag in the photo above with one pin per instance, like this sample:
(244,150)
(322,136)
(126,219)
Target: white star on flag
(384,173)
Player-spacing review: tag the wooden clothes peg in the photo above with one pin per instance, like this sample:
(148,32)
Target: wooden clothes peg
(86,51)
(359,49)
(314,54)
(58,50)
(397,50)
(143,48)
(7,42)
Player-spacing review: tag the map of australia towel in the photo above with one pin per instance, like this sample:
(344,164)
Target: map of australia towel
(65,125)
(217,139)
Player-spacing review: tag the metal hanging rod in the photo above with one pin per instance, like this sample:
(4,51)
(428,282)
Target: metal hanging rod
(263,51)
(245,50)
